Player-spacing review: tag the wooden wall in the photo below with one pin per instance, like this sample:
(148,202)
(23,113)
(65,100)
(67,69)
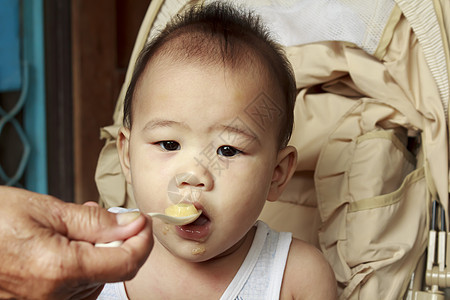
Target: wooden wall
(103,34)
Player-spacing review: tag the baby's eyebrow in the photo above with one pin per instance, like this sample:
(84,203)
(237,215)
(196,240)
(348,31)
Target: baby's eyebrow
(241,131)
(247,134)
(155,123)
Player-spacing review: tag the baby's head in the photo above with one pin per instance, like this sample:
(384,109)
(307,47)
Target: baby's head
(209,113)
(220,36)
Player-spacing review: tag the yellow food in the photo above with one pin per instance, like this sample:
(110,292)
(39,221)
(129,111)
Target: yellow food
(198,250)
(181,210)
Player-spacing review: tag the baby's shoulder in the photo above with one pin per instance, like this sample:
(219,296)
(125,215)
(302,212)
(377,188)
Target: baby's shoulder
(308,275)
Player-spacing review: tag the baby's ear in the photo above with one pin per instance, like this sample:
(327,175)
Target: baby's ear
(123,143)
(283,171)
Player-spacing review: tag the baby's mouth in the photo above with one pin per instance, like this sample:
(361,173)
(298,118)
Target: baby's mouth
(200,221)
(197,230)
(203,219)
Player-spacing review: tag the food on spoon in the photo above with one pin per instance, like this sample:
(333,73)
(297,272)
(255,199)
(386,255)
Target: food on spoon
(181,210)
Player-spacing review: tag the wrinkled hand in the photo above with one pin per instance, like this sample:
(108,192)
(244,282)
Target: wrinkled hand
(47,247)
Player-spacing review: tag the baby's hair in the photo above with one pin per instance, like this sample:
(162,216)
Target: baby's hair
(218,33)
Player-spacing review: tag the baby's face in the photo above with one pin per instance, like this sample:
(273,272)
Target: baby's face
(208,134)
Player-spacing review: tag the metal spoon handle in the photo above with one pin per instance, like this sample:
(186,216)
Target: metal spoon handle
(169,219)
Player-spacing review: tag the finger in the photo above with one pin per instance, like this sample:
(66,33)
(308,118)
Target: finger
(113,264)
(87,293)
(95,224)
(78,222)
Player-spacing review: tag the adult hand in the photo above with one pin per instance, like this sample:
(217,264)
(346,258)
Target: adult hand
(47,247)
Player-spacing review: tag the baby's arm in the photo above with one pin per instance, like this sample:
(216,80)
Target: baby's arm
(307,275)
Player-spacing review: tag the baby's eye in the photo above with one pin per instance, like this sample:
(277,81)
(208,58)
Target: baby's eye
(227,151)
(170,145)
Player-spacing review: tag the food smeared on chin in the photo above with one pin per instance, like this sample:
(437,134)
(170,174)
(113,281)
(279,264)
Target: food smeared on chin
(181,210)
(166,229)
(198,250)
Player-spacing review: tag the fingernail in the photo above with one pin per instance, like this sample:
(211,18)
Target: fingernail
(127,218)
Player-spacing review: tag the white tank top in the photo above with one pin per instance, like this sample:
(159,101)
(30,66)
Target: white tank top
(259,277)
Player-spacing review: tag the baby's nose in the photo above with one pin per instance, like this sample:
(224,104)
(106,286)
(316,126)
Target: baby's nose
(188,187)
(201,179)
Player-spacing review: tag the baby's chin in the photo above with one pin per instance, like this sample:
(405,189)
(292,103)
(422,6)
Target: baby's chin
(197,252)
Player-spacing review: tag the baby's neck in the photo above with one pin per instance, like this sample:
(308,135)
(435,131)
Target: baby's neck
(164,275)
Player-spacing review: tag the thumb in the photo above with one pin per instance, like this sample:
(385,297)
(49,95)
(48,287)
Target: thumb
(118,263)
(94,224)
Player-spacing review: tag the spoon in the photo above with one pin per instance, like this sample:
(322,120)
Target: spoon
(168,219)
(176,220)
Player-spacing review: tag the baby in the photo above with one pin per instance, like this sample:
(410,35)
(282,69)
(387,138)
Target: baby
(208,115)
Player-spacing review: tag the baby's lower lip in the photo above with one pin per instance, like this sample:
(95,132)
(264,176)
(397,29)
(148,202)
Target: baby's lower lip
(196,231)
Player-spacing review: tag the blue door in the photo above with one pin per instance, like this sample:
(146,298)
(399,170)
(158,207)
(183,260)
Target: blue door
(22,73)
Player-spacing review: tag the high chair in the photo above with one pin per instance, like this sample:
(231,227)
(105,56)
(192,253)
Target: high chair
(371,129)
